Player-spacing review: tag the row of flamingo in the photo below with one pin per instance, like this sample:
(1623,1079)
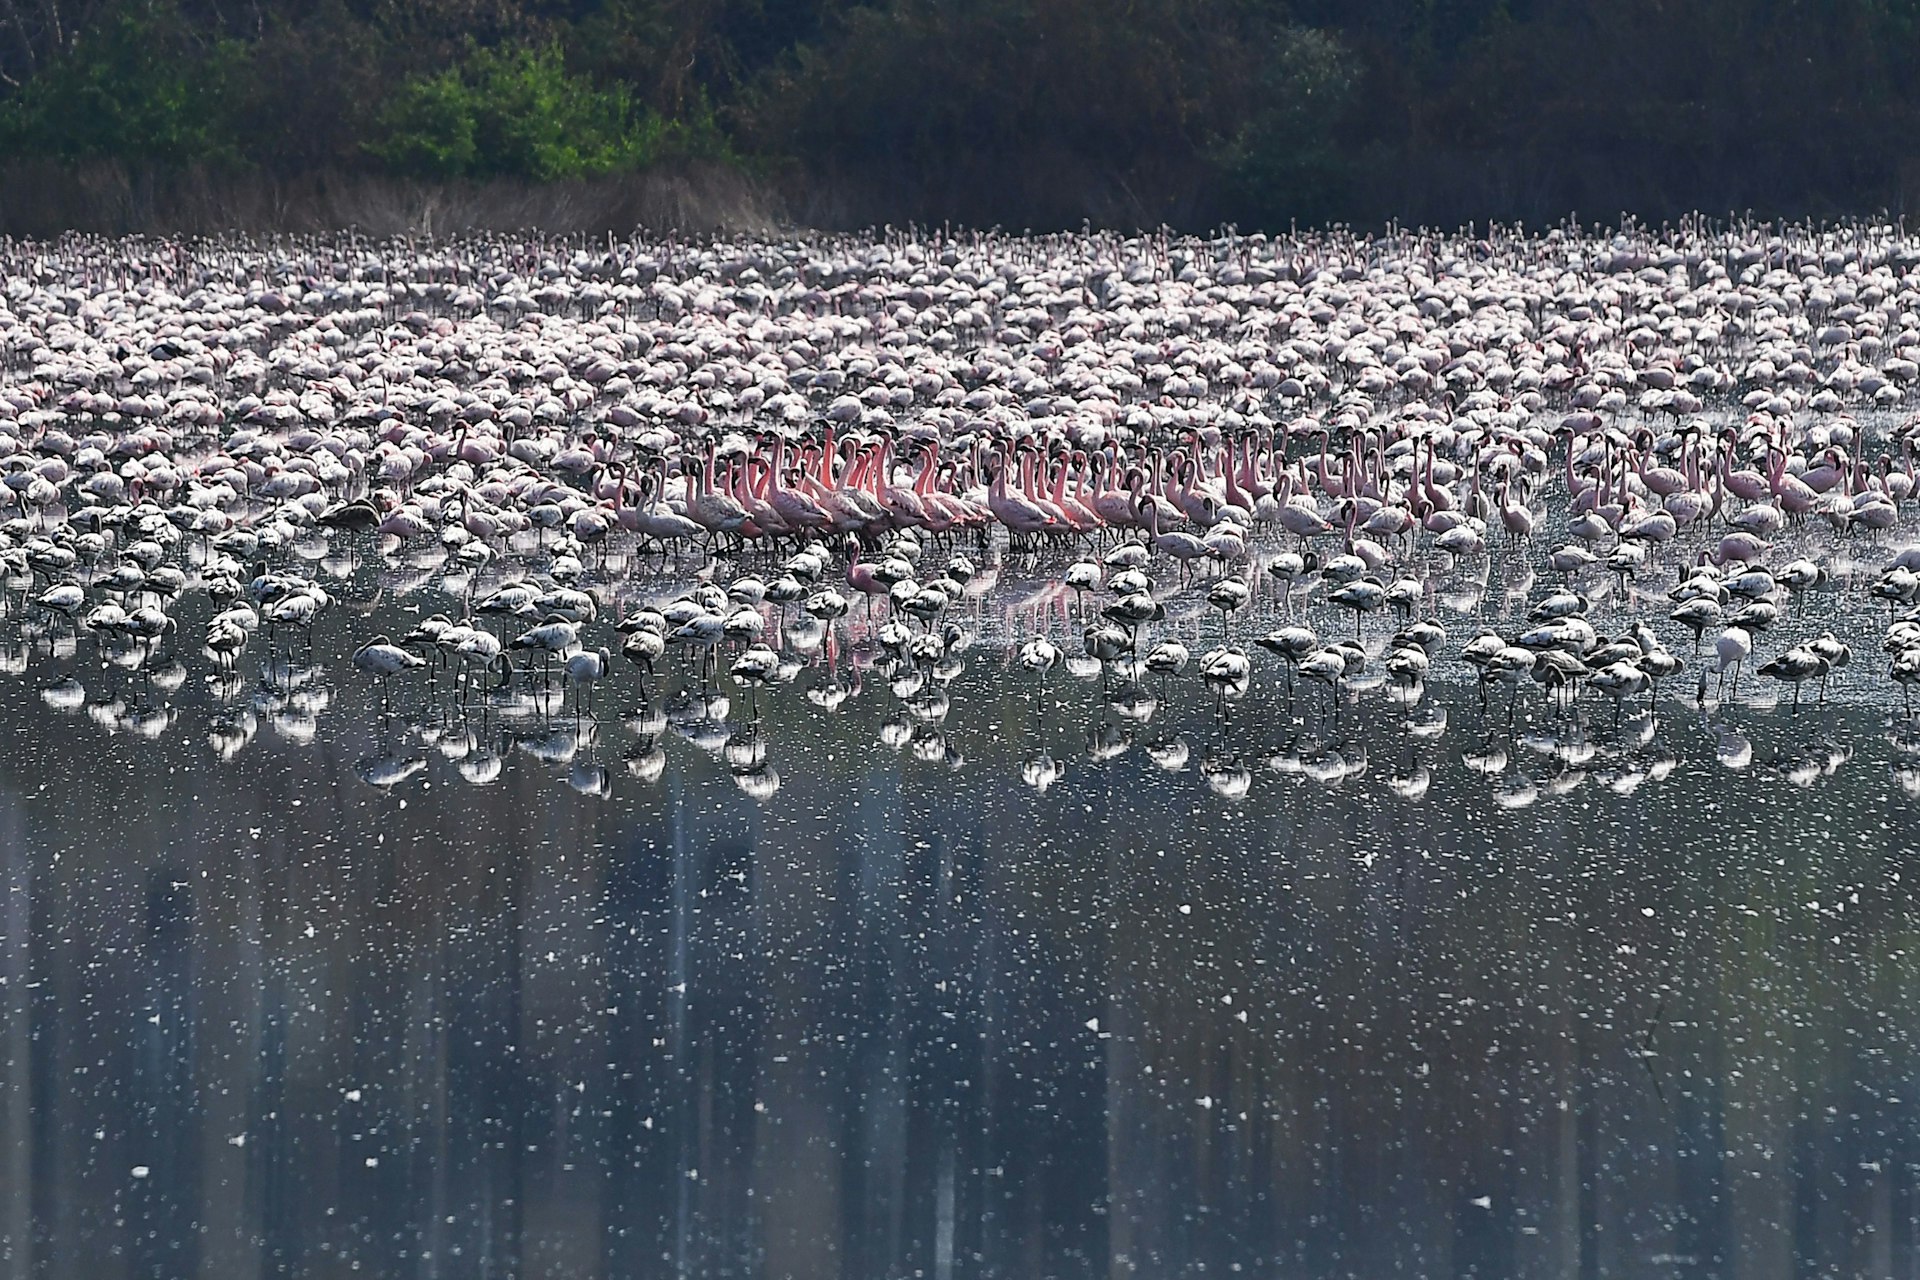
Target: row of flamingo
(1556,652)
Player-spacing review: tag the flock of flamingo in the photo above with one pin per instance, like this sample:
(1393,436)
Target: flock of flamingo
(1569,469)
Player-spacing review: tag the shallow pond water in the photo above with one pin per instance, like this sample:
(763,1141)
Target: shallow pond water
(821,980)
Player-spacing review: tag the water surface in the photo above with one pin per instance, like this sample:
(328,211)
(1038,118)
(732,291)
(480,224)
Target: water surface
(1016,990)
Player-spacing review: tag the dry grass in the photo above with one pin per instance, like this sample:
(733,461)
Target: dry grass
(44,199)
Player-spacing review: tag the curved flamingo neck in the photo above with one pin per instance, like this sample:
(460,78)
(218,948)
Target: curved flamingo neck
(1229,479)
(827,457)
(779,462)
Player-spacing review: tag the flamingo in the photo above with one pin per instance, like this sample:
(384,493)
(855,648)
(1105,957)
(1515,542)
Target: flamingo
(583,669)
(1796,666)
(1732,648)
(382,659)
(1183,547)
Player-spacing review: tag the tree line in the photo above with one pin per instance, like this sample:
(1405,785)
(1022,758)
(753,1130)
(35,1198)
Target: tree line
(1017,113)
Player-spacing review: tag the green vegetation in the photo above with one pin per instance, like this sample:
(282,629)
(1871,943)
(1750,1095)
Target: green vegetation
(518,112)
(1284,160)
(1017,112)
(132,88)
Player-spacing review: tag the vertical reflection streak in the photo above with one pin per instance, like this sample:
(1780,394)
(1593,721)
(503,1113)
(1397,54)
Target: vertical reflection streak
(16,939)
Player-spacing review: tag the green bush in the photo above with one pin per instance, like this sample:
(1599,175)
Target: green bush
(139,87)
(520,113)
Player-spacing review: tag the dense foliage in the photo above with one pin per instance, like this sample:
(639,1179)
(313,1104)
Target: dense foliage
(139,90)
(1018,112)
(518,112)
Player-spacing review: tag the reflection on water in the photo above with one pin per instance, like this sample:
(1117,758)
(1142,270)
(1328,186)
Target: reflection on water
(952,981)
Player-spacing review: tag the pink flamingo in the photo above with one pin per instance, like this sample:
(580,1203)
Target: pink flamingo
(1013,508)
(799,511)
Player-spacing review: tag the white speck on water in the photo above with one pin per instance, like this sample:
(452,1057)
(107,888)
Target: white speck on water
(141,1171)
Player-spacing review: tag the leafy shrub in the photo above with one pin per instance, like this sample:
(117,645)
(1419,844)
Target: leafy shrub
(137,87)
(519,112)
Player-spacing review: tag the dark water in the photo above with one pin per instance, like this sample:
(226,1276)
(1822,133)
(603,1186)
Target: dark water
(852,995)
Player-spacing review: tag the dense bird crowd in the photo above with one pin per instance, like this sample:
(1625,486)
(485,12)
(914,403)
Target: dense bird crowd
(598,457)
